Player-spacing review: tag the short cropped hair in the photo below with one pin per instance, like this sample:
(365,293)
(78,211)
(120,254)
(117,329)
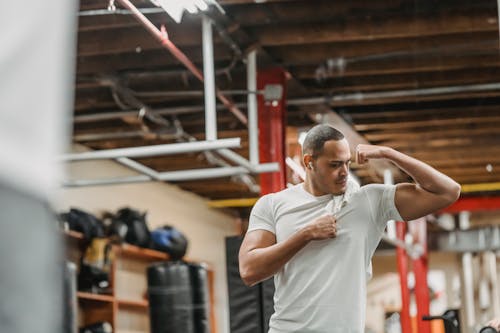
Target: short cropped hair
(316,138)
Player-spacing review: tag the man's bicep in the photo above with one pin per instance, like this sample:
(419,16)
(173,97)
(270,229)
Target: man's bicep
(257,239)
(414,202)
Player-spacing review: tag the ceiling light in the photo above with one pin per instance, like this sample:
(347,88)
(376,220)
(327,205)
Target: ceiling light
(175,8)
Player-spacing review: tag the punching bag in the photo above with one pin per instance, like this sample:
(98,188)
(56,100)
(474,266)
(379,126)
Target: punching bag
(178,298)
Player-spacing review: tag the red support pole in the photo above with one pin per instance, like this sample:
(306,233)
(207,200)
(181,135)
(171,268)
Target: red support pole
(402,262)
(473,204)
(272,127)
(418,229)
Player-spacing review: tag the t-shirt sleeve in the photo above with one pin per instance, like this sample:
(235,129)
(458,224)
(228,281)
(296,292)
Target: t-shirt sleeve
(382,204)
(261,217)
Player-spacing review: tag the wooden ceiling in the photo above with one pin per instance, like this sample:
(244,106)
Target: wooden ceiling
(421,76)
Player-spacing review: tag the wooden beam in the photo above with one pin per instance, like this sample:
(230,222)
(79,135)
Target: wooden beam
(428,123)
(251,14)
(396,65)
(406,81)
(486,130)
(144,60)
(448,46)
(374,30)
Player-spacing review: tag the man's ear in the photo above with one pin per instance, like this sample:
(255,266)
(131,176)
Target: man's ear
(308,161)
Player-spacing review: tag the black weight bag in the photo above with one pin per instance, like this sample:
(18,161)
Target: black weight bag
(129,225)
(178,298)
(89,225)
(169,240)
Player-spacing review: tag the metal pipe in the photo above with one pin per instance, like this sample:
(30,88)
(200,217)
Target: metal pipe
(491,266)
(254,168)
(166,149)
(253,130)
(209,82)
(108,136)
(193,93)
(136,166)
(467,278)
(98,12)
(163,39)
(292,102)
(171,176)
(391,225)
(396,93)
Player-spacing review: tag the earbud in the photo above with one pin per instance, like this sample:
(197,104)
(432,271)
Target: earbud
(311,166)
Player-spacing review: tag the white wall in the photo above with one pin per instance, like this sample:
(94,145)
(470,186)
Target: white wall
(166,204)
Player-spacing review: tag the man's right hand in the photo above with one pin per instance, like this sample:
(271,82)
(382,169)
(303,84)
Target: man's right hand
(323,227)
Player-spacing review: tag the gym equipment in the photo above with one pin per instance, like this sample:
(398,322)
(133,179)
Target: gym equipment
(129,225)
(70,307)
(95,265)
(488,329)
(450,319)
(99,327)
(170,240)
(89,225)
(250,308)
(178,298)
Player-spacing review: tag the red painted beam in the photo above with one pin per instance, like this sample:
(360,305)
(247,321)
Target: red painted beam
(420,268)
(272,127)
(402,263)
(472,204)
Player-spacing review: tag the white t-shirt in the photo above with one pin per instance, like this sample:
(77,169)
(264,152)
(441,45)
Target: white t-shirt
(323,287)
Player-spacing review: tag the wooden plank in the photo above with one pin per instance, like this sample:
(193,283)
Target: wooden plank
(396,65)
(371,29)
(147,59)
(417,80)
(418,49)
(428,123)
(487,130)
(249,14)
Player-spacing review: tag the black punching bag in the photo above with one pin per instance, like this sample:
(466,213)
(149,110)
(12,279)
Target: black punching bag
(178,298)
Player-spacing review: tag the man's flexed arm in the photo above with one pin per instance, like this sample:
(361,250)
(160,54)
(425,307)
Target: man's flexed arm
(261,257)
(433,190)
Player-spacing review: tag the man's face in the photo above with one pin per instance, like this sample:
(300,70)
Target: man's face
(331,168)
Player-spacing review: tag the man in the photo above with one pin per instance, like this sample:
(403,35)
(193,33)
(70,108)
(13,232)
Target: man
(37,60)
(317,238)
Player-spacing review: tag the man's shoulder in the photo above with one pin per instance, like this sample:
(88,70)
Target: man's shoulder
(283,195)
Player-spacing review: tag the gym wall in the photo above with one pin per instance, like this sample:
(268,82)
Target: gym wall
(166,204)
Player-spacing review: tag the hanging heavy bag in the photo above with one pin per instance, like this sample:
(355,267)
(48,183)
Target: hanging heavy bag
(169,240)
(178,298)
(129,225)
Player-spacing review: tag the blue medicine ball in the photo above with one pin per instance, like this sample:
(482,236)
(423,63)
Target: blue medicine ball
(169,240)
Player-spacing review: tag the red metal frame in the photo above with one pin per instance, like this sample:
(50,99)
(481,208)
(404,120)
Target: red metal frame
(472,204)
(272,127)
(402,263)
(420,269)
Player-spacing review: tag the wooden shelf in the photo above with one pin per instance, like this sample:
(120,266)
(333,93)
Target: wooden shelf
(139,252)
(94,297)
(133,303)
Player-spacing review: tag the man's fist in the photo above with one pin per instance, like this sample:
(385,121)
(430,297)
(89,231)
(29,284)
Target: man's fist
(323,227)
(366,152)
